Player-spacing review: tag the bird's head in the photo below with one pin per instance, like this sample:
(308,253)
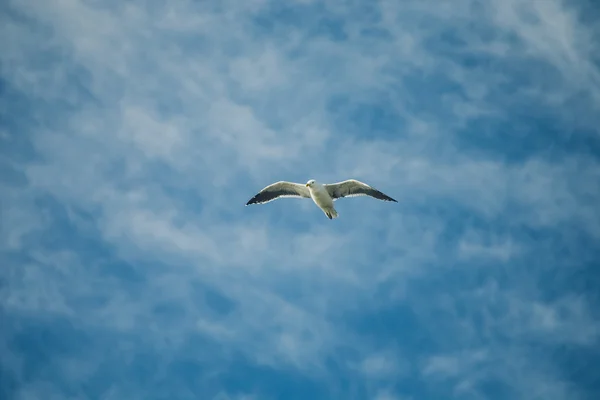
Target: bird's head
(310,183)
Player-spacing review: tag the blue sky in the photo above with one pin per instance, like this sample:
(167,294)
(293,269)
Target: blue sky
(133,132)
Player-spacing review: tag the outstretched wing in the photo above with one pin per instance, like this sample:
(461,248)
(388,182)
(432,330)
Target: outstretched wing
(280,189)
(352,187)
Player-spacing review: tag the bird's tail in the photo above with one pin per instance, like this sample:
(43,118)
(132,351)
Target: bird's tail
(331,213)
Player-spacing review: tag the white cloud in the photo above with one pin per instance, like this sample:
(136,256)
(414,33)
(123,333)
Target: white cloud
(380,366)
(477,244)
(388,395)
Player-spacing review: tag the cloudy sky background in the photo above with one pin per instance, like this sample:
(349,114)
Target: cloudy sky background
(133,132)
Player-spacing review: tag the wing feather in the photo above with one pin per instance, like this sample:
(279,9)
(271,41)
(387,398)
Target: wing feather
(280,189)
(352,187)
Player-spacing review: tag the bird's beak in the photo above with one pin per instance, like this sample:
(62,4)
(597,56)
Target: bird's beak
(306,185)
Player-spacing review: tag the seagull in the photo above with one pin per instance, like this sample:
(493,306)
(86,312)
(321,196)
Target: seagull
(322,194)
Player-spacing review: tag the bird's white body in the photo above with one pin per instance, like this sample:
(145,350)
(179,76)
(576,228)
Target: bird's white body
(322,199)
(322,195)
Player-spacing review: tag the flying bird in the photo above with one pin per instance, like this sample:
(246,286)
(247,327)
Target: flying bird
(322,194)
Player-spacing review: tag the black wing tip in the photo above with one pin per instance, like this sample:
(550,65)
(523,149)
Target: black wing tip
(253,200)
(258,198)
(382,196)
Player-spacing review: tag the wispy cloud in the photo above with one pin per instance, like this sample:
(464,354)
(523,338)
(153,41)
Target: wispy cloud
(133,133)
